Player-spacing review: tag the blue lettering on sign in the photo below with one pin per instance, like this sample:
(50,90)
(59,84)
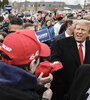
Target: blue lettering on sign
(43,35)
(8,7)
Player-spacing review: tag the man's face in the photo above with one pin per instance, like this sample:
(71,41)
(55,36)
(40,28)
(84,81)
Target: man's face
(71,27)
(81,32)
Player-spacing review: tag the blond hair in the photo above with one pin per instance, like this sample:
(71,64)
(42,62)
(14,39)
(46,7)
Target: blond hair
(81,22)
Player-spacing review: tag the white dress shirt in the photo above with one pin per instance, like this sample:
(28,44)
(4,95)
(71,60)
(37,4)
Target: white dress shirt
(66,34)
(57,27)
(88,98)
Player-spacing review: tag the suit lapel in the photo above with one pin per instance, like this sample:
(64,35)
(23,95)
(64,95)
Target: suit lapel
(64,34)
(74,51)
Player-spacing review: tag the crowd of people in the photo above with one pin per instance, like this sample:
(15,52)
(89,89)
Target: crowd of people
(48,70)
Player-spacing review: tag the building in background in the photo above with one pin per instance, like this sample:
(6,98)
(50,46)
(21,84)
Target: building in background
(37,6)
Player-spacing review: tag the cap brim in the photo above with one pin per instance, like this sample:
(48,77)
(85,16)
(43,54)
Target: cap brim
(45,50)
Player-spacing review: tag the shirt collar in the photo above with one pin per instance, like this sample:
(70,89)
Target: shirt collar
(66,34)
(83,43)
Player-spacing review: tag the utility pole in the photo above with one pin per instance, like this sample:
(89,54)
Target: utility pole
(35,6)
(84,4)
(25,5)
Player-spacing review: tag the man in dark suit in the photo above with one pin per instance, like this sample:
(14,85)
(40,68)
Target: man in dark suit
(66,51)
(69,32)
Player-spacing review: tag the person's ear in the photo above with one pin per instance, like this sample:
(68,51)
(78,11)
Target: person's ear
(34,64)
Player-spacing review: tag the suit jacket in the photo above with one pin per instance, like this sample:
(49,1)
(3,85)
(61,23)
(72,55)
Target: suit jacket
(60,36)
(66,51)
(81,84)
(62,29)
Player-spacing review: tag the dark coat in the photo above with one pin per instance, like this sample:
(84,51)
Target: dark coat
(62,29)
(9,93)
(60,36)
(5,27)
(66,51)
(15,81)
(81,84)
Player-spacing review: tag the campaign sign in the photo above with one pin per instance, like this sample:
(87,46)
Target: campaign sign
(43,35)
(8,7)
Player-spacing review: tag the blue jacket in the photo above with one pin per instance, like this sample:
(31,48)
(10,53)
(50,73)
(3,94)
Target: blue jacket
(17,78)
(51,31)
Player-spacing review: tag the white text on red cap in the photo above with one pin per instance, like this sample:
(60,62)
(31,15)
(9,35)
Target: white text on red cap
(6,48)
(34,55)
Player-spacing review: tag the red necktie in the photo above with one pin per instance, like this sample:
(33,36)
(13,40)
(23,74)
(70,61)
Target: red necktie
(81,53)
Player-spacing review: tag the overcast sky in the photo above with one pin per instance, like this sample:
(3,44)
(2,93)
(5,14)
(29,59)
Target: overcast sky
(66,1)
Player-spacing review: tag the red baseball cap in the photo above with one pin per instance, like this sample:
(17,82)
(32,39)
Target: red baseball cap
(23,47)
(47,67)
(59,17)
